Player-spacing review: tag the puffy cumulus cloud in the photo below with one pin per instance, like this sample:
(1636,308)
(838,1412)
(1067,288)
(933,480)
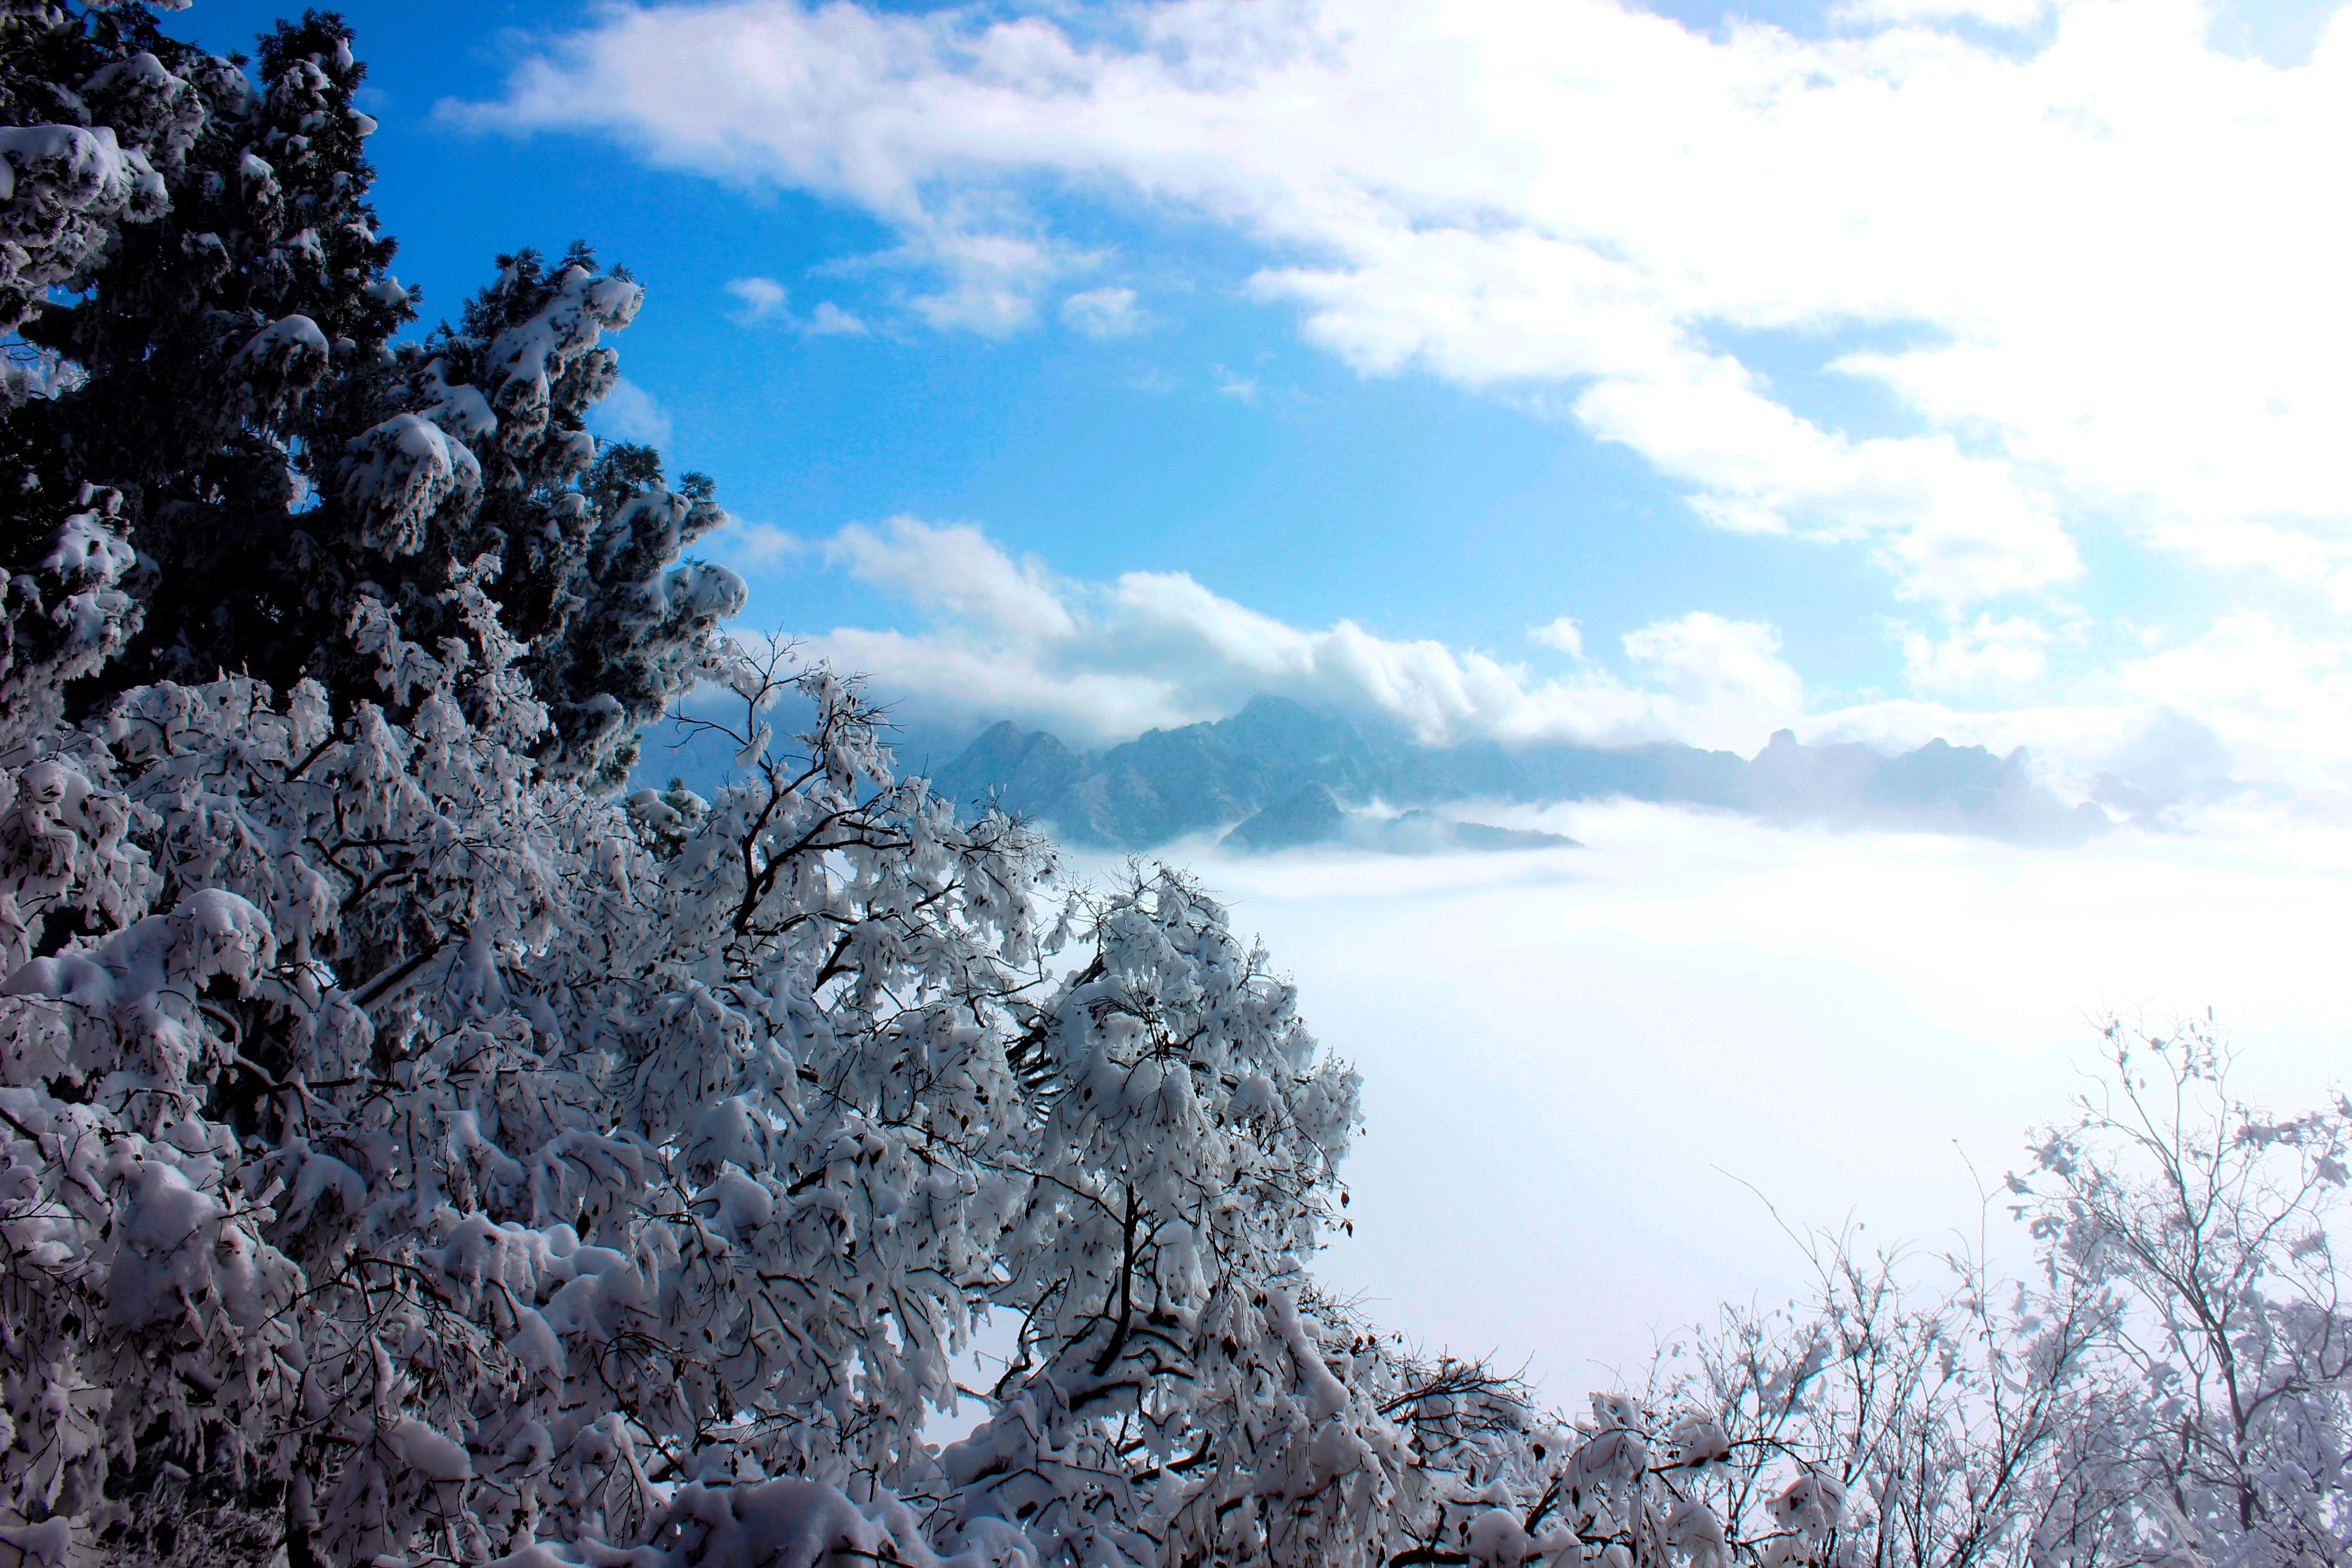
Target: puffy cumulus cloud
(2120,297)
(749,546)
(1106,660)
(1727,672)
(1563,634)
(957,569)
(2282,701)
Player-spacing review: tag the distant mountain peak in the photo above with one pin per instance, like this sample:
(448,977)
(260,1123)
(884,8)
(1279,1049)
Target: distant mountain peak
(1308,815)
(1289,762)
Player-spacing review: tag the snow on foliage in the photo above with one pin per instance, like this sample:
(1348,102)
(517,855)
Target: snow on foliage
(68,613)
(410,1157)
(62,190)
(483,1167)
(222,359)
(412,1150)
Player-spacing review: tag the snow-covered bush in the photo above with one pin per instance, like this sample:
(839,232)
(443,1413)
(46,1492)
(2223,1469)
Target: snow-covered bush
(2174,1386)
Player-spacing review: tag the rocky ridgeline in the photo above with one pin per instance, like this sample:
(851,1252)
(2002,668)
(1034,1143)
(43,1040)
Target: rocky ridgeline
(1287,775)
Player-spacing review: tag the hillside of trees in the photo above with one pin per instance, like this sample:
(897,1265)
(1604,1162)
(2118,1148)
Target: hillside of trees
(419,1147)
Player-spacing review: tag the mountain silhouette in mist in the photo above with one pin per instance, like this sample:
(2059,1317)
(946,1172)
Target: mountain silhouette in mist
(1313,764)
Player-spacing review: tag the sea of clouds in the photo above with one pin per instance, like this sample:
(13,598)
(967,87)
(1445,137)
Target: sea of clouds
(1586,1071)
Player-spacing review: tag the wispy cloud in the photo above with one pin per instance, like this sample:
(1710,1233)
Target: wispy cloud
(765,301)
(992,281)
(1103,313)
(629,413)
(2127,303)
(829,320)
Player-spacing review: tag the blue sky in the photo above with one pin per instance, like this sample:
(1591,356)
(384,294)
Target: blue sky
(1894,368)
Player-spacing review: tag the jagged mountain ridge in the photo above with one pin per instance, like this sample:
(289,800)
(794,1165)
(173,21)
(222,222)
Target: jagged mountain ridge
(1167,784)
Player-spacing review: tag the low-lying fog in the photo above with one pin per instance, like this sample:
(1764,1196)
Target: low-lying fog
(1578,1061)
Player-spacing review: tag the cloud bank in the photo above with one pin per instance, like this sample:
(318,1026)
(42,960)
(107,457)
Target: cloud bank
(2085,255)
(1098,661)
(1565,1098)
(2249,715)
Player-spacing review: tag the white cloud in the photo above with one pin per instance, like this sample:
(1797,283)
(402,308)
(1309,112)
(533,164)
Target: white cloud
(1103,313)
(1563,634)
(754,546)
(2284,701)
(629,413)
(1101,660)
(1728,675)
(1240,388)
(829,320)
(956,570)
(1997,13)
(763,300)
(992,279)
(1737,988)
(2246,700)
(2246,718)
(2129,296)
(1989,656)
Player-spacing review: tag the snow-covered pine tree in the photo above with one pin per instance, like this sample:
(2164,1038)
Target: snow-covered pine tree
(220,357)
(178,330)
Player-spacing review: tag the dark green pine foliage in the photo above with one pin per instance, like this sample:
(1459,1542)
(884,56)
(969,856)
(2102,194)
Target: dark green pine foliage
(202,327)
(213,378)
(584,544)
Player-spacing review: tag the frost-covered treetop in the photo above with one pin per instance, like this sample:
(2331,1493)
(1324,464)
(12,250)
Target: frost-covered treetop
(199,281)
(484,1169)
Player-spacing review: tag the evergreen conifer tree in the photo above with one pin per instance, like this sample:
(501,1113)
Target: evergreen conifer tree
(216,316)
